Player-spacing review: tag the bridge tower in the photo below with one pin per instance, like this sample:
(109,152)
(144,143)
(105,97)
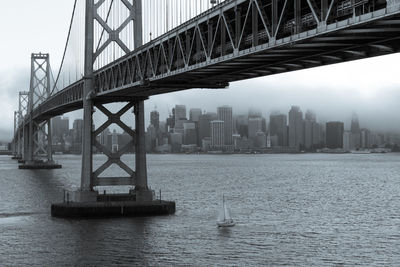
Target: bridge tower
(91,178)
(19,126)
(37,135)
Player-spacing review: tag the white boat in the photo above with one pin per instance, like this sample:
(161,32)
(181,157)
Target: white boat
(224,218)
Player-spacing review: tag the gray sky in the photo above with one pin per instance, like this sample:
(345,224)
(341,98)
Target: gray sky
(370,87)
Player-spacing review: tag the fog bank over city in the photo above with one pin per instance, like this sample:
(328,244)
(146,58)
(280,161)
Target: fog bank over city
(334,92)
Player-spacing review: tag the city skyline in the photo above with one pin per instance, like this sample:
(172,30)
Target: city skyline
(192,129)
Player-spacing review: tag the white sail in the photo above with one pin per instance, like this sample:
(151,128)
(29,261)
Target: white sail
(224,218)
(226,213)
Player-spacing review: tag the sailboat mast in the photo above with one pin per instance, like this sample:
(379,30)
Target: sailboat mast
(223,201)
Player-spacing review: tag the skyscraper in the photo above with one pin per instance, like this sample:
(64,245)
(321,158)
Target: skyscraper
(278,127)
(225,115)
(77,130)
(189,133)
(334,134)
(59,126)
(355,132)
(217,134)
(296,127)
(180,117)
(194,114)
(365,138)
(310,120)
(155,119)
(203,127)
(255,126)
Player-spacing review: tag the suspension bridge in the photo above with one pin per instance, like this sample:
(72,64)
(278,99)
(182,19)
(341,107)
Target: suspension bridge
(129,50)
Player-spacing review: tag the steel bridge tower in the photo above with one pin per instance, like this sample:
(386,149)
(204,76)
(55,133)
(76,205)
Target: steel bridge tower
(91,178)
(37,141)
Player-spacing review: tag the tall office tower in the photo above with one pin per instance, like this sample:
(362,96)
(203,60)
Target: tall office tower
(180,117)
(317,138)
(310,116)
(242,125)
(365,138)
(155,119)
(77,128)
(347,141)
(225,114)
(103,137)
(296,127)
(217,134)
(334,134)
(151,137)
(203,127)
(255,125)
(170,124)
(308,134)
(194,114)
(189,133)
(310,120)
(278,127)
(114,141)
(59,126)
(355,131)
(163,127)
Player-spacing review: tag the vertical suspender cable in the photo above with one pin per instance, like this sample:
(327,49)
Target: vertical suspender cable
(66,45)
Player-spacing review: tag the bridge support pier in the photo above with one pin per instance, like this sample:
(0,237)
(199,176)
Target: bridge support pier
(139,201)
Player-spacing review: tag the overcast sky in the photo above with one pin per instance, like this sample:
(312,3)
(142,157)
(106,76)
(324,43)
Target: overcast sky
(369,87)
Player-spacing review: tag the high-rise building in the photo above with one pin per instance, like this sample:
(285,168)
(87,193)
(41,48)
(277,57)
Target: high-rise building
(114,141)
(355,131)
(204,128)
(59,126)
(242,125)
(278,127)
(347,146)
(103,137)
(225,115)
(260,140)
(180,117)
(217,134)
(155,119)
(194,114)
(317,134)
(151,138)
(365,138)
(334,134)
(255,126)
(310,116)
(296,127)
(189,133)
(77,128)
(310,120)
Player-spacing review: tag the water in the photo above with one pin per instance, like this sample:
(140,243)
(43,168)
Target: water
(294,210)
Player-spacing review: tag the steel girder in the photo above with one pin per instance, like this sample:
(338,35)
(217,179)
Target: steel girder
(241,39)
(114,157)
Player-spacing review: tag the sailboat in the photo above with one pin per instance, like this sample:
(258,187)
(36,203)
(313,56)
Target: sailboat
(224,218)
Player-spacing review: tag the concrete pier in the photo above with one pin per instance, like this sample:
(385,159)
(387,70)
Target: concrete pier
(105,209)
(39,166)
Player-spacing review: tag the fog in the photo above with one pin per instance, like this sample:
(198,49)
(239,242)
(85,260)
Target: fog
(369,87)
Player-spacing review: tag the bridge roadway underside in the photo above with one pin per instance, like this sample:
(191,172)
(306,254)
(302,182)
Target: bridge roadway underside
(343,41)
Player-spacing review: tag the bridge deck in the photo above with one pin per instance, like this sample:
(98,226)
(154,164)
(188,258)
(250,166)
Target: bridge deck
(187,58)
